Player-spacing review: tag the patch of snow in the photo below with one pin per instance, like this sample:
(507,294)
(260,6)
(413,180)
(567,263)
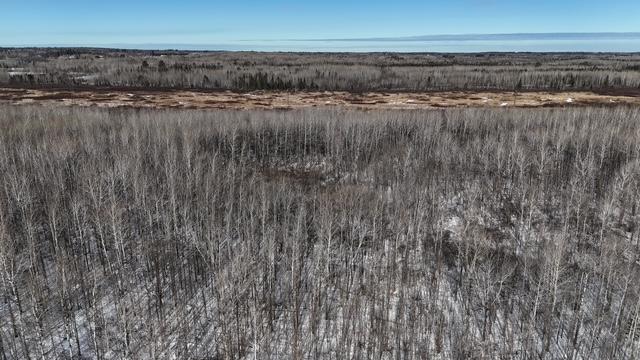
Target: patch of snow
(454,224)
(569,100)
(87,77)
(504,104)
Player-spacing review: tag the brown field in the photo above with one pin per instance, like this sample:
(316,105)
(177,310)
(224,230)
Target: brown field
(294,100)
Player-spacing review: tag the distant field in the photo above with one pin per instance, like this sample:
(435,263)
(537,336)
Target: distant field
(183,99)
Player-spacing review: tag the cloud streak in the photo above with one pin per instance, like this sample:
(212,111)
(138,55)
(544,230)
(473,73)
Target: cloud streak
(497,37)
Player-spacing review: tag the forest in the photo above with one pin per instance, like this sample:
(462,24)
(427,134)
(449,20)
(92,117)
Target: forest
(319,233)
(250,71)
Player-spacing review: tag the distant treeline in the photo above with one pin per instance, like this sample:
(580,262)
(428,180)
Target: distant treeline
(244,71)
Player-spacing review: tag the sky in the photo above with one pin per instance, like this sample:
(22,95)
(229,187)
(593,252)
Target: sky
(98,22)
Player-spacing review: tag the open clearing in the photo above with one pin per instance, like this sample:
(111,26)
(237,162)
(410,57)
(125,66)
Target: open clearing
(293,100)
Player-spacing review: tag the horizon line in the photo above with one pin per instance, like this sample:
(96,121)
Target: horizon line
(489,36)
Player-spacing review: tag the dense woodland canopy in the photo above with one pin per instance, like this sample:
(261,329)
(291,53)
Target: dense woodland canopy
(470,233)
(245,71)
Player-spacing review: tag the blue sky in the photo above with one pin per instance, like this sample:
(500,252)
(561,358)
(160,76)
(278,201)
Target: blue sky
(93,22)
